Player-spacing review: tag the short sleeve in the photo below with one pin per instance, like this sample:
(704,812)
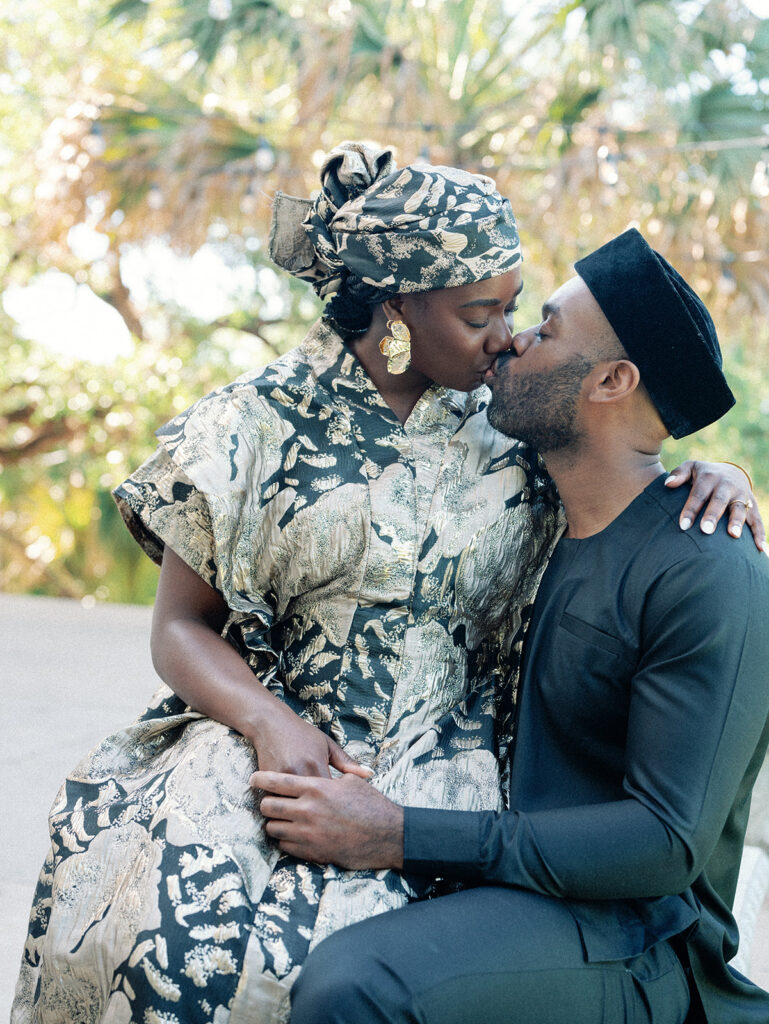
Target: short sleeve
(201,493)
(161,506)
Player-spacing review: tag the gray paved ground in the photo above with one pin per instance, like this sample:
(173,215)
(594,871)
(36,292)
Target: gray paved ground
(68,676)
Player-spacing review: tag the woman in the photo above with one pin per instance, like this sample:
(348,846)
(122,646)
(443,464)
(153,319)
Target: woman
(348,551)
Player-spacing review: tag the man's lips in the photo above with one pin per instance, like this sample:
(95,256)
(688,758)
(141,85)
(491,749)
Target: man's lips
(498,365)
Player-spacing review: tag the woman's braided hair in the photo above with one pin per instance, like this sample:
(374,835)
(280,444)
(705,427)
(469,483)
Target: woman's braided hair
(351,309)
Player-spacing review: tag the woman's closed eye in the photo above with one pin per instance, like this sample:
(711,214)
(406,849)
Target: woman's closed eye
(507,314)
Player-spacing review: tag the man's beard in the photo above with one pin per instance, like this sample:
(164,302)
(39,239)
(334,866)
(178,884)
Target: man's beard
(541,408)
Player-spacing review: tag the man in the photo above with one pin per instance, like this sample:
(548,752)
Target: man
(603,894)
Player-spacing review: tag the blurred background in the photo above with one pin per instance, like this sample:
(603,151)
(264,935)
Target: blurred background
(142,142)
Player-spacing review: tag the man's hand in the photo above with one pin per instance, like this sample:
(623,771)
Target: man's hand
(343,821)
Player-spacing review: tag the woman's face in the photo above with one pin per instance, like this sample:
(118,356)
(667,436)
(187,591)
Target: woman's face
(456,333)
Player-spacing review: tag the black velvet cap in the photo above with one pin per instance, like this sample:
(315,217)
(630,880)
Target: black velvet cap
(665,329)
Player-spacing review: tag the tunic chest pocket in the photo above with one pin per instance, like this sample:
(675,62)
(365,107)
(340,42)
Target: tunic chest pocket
(591,634)
(587,673)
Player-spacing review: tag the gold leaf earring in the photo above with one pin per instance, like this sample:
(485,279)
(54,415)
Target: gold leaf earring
(397,348)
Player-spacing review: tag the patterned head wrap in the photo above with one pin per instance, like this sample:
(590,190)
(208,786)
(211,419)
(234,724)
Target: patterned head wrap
(379,230)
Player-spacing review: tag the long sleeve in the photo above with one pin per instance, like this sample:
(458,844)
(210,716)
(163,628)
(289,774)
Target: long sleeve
(696,713)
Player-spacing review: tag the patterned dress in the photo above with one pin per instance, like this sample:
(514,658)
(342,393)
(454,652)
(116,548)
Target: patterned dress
(377,577)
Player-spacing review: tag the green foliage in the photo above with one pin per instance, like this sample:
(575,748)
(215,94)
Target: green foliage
(71,431)
(178,119)
(192,21)
(742,435)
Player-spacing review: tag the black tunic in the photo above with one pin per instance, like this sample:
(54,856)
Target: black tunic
(642,724)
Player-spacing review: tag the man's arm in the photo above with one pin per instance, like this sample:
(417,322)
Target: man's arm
(699,704)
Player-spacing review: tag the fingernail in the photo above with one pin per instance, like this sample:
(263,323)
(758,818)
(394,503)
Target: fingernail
(670,476)
(765,546)
(708,526)
(735,531)
(685,524)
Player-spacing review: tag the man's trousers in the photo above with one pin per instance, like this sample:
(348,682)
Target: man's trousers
(489,955)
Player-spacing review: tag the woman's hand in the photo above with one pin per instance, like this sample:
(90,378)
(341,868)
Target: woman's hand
(722,486)
(284,742)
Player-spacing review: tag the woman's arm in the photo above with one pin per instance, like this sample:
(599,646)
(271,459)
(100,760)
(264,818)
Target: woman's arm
(199,665)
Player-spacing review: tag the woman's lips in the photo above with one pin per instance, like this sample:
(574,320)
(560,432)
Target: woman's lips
(501,361)
(492,370)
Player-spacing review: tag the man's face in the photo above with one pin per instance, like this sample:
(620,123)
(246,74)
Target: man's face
(537,387)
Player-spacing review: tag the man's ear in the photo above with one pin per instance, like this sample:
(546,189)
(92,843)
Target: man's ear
(614,381)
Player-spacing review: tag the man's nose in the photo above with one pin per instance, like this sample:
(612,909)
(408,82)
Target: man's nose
(523,339)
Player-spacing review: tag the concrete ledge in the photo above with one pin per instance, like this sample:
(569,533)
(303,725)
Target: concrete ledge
(750,903)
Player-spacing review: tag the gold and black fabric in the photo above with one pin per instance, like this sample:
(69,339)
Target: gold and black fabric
(416,229)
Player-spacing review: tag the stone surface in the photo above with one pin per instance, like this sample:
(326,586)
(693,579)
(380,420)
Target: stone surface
(69,676)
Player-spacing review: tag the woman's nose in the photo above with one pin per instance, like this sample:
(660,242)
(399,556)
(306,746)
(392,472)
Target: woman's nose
(500,338)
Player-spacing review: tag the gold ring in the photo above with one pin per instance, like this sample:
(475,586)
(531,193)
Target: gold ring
(738,501)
